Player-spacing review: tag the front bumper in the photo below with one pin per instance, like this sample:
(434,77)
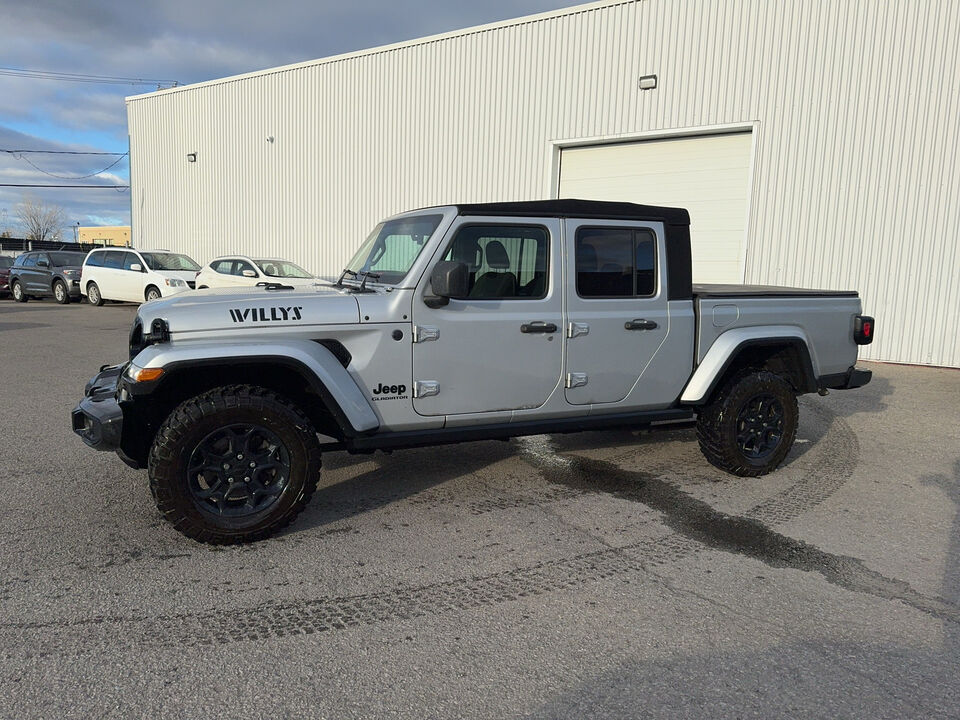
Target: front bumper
(98,419)
(848,380)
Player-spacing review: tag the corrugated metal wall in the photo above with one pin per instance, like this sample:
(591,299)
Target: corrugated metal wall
(855,179)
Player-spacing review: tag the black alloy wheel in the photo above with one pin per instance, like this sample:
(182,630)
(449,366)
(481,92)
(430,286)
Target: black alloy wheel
(238,470)
(760,427)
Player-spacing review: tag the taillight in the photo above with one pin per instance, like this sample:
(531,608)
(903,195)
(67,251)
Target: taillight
(863,328)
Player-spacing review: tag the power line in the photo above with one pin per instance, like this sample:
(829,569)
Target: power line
(82,78)
(61,152)
(65,177)
(87,187)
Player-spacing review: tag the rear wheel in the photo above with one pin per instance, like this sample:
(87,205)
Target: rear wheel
(60,292)
(233,465)
(152,294)
(16,289)
(751,424)
(93,295)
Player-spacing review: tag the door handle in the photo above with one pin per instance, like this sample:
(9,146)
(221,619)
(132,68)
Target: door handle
(538,326)
(640,325)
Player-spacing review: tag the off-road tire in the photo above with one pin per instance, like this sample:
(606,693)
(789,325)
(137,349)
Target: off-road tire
(152,293)
(718,423)
(195,419)
(94,296)
(16,289)
(60,292)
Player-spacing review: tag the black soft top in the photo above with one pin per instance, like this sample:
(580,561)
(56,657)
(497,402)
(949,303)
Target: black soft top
(597,209)
(676,223)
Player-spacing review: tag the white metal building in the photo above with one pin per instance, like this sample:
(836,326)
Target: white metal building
(816,143)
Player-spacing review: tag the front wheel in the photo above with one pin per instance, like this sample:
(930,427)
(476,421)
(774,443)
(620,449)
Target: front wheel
(17,290)
(152,294)
(61,293)
(93,295)
(750,425)
(235,464)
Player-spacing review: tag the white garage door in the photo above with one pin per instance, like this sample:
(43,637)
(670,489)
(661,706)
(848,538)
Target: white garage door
(709,175)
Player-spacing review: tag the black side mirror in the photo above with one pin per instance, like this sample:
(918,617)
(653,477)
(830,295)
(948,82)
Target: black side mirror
(42,263)
(448,280)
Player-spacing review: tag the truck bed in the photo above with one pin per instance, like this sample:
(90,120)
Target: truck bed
(724,291)
(825,316)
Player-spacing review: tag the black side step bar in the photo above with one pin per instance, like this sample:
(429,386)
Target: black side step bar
(503,431)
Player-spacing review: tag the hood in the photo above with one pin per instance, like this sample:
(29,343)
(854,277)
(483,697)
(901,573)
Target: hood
(244,308)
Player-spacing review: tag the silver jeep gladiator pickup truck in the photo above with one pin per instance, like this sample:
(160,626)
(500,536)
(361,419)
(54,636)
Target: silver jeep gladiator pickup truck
(453,324)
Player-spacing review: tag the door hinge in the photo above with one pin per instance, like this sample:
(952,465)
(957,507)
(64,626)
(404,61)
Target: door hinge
(576,329)
(423,333)
(425,388)
(575,380)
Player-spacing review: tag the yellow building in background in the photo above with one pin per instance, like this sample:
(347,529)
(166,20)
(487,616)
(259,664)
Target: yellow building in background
(107,235)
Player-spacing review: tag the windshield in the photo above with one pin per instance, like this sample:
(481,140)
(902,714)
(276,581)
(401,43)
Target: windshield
(169,261)
(66,259)
(281,269)
(393,246)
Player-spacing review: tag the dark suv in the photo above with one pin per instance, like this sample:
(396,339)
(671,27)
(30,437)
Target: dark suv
(39,274)
(5,265)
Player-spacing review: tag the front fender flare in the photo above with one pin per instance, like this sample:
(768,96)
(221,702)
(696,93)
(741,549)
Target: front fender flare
(313,361)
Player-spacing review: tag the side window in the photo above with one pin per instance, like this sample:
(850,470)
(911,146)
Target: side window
(30,261)
(242,265)
(616,262)
(113,260)
(222,266)
(129,259)
(504,261)
(95,259)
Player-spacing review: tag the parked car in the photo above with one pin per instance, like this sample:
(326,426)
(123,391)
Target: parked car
(53,273)
(5,264)
(243,271)
(132,275)
(462,323)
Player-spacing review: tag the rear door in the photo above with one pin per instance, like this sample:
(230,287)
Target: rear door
(617,315)
(27,272)
(500,348)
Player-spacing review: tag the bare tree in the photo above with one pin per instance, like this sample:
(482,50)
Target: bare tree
(40,220)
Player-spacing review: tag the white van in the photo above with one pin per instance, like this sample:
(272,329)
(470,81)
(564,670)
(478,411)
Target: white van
(135,275)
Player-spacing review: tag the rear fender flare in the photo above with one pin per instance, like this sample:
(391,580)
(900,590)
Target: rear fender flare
(730,344)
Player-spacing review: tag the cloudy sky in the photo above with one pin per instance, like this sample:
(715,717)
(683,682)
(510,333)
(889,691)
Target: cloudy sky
(185,41)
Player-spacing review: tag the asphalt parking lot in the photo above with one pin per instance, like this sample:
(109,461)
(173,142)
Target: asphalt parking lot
(607,574)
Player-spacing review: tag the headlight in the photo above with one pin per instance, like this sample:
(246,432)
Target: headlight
(175,282)
(71,273)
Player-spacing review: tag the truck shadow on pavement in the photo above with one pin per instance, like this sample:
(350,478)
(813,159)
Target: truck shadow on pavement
(442,475)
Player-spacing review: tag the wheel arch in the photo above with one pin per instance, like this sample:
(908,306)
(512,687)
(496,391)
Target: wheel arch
(782,350)
(312,377)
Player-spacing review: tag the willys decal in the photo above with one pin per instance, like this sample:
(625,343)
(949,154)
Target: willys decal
(266,314)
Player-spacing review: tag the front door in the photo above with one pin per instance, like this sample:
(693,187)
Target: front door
(42,277)
(500,348)
(617,315)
